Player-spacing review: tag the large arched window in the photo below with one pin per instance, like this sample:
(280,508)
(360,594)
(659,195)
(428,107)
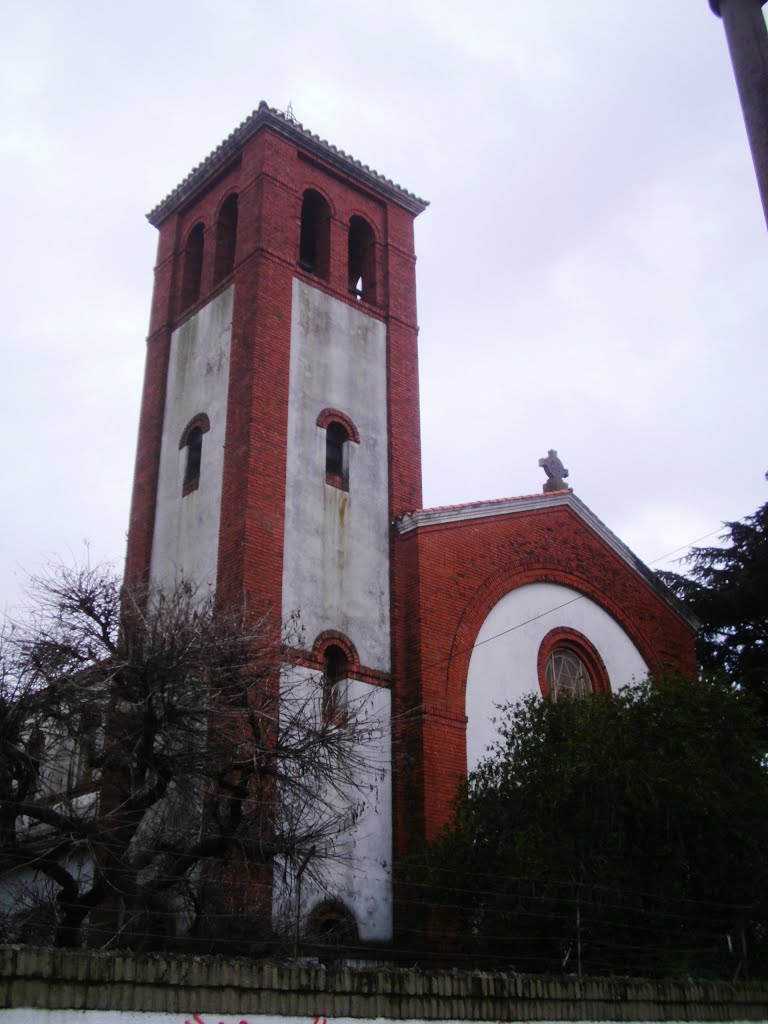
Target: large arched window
(315,238)
(192,267)
(361,264)
(567,675)
(226,239)
(570,665)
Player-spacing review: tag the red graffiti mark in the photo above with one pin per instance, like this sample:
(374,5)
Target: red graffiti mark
(197,1019)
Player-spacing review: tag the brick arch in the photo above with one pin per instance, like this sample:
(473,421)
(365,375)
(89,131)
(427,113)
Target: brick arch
(225,197)
(310,185)
(357,211)
(582,646)
(496,586)
(331,924)
(328,416)
(200,222)
(333,638)
(200,420)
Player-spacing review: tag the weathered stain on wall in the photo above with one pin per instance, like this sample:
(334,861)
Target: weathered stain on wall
(186,534)
(336,553)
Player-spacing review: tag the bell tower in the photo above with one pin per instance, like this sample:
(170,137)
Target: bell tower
(284,293)
(279,430)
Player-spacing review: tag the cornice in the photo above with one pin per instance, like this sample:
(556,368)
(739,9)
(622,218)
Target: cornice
(265,116)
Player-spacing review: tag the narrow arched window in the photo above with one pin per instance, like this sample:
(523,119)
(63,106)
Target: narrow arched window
(192,440)
(361,262)
(315,238)
(194,457)
(335,672)
(337,456)
(226,239)
(339,431)
(192,271)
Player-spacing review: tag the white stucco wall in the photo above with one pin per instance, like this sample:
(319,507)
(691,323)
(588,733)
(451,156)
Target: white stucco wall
(336,549)
(503,666)
(359,872)
(186,533)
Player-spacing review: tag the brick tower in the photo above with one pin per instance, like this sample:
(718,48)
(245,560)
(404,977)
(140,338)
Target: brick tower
(279,431)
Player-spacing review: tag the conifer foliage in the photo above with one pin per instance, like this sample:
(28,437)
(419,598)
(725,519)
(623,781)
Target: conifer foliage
(727,588)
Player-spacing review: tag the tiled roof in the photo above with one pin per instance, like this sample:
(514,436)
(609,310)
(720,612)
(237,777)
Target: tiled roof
(292,129)
(487,504)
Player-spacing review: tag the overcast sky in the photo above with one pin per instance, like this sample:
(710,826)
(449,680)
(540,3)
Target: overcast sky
(592,270)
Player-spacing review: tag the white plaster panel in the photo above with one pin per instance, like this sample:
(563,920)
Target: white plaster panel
(503,666)
(336,547)
(186,537)
(359,872)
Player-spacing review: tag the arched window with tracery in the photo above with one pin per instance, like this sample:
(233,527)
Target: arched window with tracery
(315,236)
(570,665)
(226,239)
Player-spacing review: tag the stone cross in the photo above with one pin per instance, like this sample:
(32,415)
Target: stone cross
(556,472)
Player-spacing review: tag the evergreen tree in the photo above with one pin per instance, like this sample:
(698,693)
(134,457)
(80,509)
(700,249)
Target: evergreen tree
(616,834)
(727,588)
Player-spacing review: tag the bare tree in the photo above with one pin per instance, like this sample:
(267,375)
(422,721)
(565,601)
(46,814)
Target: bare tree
(158,758)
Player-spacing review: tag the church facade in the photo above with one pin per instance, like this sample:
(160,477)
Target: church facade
(279,464)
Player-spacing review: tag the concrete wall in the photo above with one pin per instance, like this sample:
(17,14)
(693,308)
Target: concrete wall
(503,666)
(336,548)
(64,987)
(357,868)
(186,535)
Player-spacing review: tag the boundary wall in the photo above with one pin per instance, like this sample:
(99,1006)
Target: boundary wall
(53,985)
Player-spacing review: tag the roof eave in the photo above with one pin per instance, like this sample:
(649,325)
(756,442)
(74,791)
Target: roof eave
(423,518)
(265,116)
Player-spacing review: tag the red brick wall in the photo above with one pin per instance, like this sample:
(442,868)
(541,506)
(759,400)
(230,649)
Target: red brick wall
(454,574)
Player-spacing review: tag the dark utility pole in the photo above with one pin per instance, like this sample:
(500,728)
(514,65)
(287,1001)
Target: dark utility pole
(747,36)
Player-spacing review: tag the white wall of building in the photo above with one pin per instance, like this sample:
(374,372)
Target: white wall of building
(359,871)
(336,551)
(503,666)
(186,536)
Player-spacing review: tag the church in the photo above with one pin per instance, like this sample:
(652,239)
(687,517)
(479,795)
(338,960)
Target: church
(279,464)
